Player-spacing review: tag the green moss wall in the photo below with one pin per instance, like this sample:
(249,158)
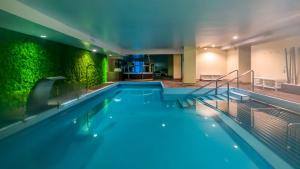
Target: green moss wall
(25,59)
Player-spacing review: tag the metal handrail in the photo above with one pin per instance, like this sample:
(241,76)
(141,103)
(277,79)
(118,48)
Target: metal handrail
(216,81)
(244,74)
(236,78)
(291,126)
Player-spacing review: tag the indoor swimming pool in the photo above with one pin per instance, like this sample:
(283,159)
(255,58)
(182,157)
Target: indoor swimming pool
(130,127)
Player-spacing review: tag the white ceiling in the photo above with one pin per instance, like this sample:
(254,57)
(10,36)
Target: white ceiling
(17,24)
(171,24)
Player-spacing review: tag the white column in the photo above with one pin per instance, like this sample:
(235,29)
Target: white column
(177,66)
(240,59)
(189,65)
(245,62)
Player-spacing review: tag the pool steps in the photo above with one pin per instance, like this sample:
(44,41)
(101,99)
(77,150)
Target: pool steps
(186,103)
(190,102)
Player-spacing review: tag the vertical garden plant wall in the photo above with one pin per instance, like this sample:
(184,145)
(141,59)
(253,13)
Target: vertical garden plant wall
(25,59)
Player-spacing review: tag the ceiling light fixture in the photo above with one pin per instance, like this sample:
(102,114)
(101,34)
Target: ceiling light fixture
(43,36)
(94,50)
(205,48)
(213,45)
(235,37)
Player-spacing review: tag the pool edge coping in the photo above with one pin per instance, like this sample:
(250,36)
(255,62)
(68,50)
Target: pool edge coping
(15,127)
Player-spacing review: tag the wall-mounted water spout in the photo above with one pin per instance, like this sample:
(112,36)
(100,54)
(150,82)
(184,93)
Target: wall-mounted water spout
(39,95)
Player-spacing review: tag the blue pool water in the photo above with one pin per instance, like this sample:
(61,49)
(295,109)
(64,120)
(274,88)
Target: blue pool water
(130,128)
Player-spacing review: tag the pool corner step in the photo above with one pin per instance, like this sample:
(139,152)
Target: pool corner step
(240,96)
(186,103)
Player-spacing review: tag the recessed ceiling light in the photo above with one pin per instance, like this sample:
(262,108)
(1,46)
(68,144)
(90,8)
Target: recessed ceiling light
(205,48)
(43,36)
(235,37)
(213,45)
(94,50)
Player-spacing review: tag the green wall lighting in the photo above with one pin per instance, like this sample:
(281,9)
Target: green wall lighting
(26,59)
(43,36)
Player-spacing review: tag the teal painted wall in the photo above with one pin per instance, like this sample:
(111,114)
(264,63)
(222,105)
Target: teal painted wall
(25,59)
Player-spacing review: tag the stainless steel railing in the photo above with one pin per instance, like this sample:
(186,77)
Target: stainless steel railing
(291,127)
(229,81)
(216,81)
